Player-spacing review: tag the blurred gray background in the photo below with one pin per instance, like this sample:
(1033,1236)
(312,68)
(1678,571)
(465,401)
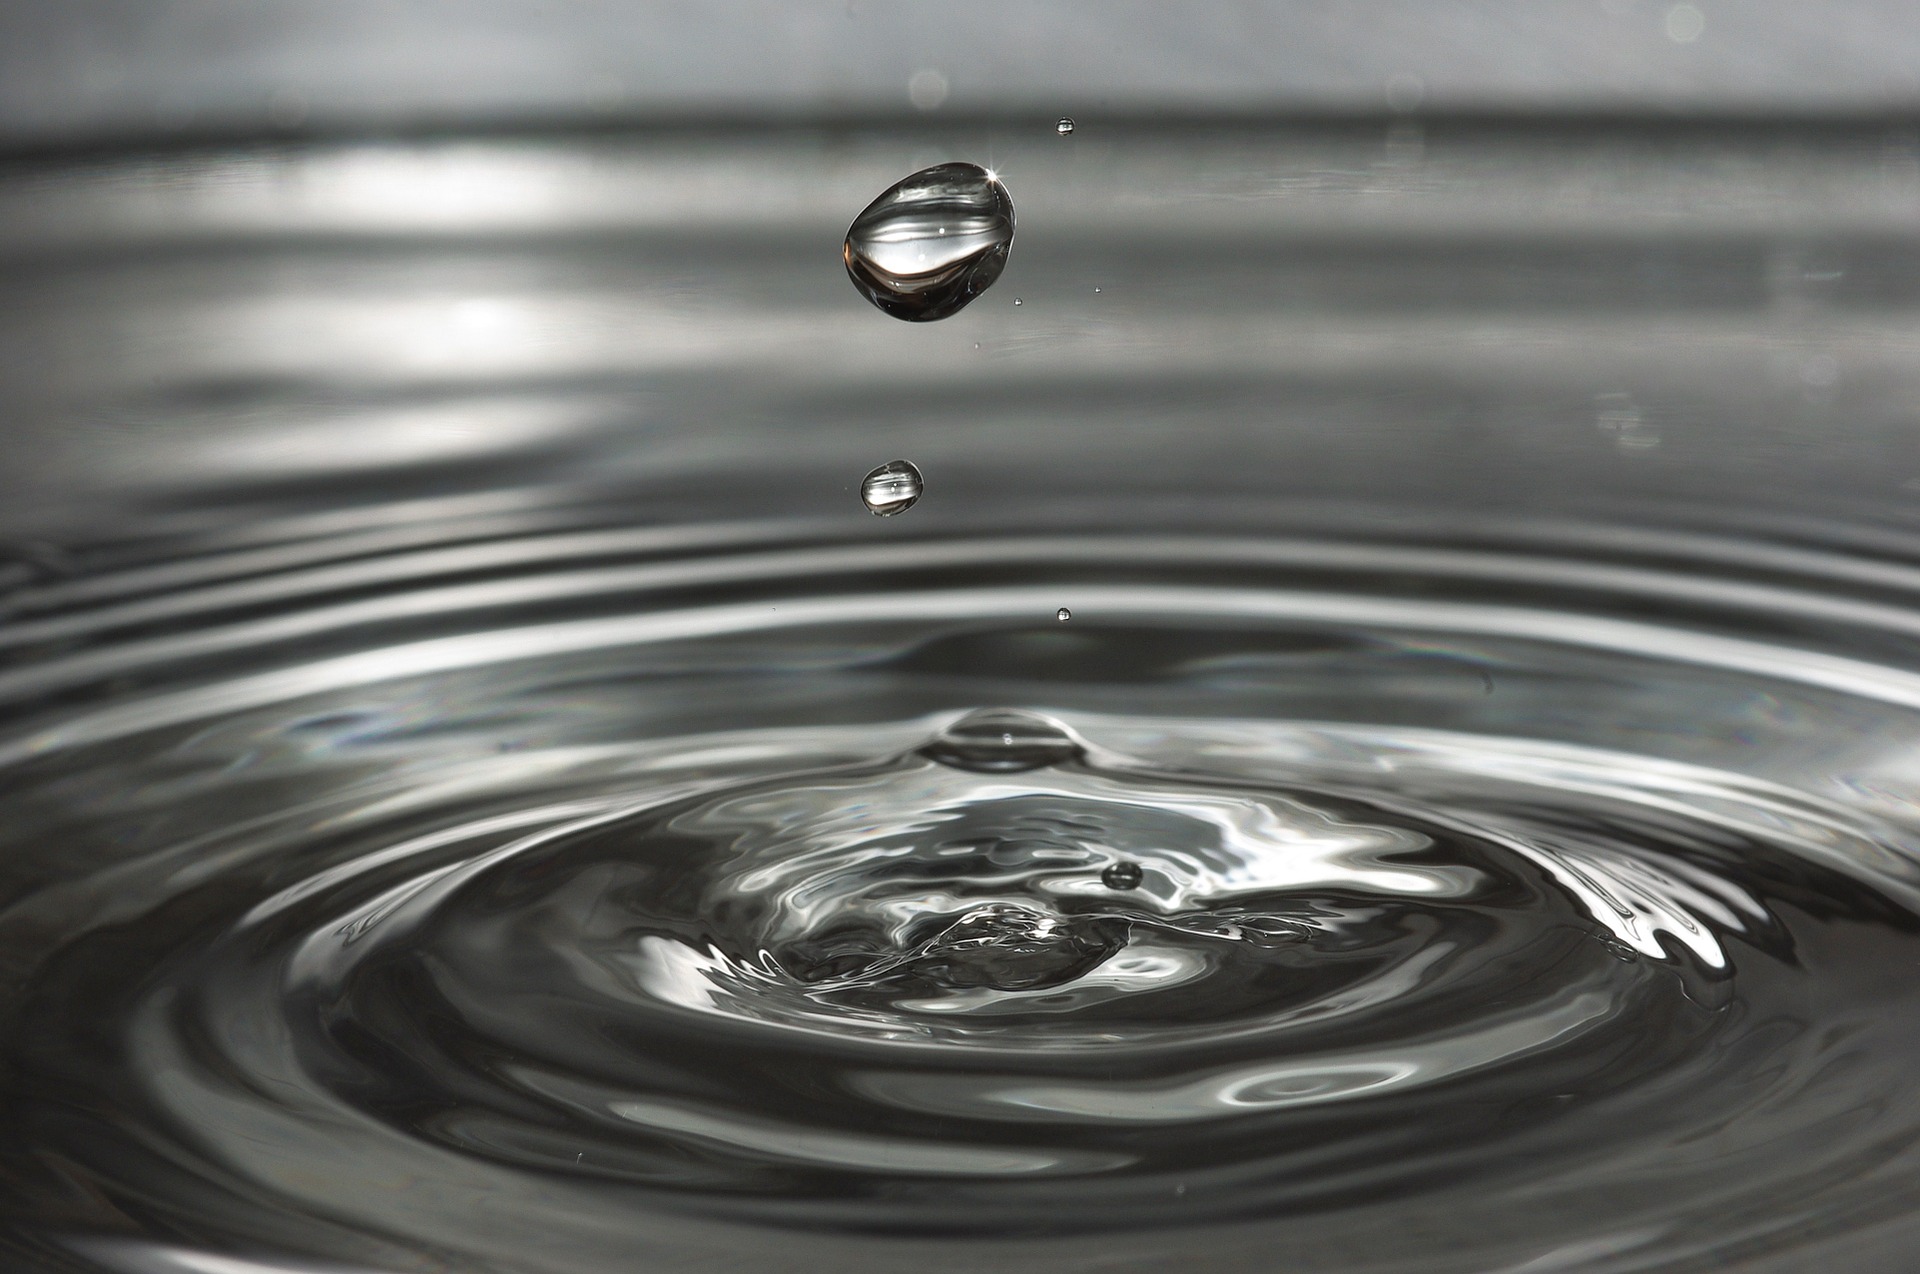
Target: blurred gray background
(1634,260)
(85,71)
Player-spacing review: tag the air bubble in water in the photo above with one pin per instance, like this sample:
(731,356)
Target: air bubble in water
(892,488)
(1064,615)
(1064,127)
(1002,740)
(1123,876)
(932,242)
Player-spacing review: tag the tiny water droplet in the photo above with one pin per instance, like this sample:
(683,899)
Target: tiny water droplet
(1016,300)
(1064,127)
(892,488)
(1096,291)
(1123,876)
(1064,615)
(1002,740)
(931,242)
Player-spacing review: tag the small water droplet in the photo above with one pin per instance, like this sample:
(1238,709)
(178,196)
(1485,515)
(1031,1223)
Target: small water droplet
(1064,127)
(931,242)
(1016,300)
(1123,876)
(1064,615)
(1002,740)
(892,488)
(1096,291)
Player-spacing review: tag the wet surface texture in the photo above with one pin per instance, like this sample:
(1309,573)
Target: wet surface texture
(482,794)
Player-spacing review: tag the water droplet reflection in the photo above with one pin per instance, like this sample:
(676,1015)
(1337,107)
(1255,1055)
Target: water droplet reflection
(1064,127)
(1002,740)
(893,488)
(932,242)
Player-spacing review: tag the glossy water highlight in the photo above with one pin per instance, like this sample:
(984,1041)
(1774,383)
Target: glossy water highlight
(707,919)
(1467,823)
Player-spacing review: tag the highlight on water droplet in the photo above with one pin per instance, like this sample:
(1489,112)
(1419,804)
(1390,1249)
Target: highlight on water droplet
(1001,741)
(1123,876)
(931,242)
(1064,127)
(1016,300)
(892,488)
(1064,615)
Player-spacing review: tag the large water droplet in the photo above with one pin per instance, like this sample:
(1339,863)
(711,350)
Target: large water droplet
(1064,615)
(1064,127)
(1123,876)
(931,243)
(1002,740)
(892,488)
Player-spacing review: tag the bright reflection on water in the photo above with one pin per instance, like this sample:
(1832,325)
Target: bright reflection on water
(482,794)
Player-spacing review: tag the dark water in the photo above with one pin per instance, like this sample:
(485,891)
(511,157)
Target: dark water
(589,841)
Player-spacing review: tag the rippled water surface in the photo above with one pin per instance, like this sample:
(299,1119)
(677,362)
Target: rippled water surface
(589,841)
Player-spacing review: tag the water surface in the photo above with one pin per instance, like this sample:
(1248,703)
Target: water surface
(482,794)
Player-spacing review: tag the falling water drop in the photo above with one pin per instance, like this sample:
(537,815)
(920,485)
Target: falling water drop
(1123,876)
(932,242)
(1016,300)
(1002,740)
(1064,615)
(1064,127)
(892,488)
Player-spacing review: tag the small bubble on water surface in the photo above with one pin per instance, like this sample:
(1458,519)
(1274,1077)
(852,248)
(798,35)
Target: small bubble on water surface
(1064,127)
(1064,615)
(932,242)
(1002,740)
(1123,876)
(892,488)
